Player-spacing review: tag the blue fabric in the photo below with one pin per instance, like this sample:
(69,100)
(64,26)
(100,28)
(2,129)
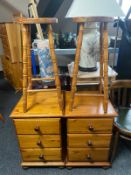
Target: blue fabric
(33,62)
(45,63)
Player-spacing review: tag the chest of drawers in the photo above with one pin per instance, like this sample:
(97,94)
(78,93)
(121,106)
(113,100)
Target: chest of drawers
(39,132)
(89,132)
(82,137)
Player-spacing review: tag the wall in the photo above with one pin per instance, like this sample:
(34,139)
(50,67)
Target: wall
(65,25)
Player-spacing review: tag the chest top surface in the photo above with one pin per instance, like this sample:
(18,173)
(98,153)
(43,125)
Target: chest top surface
(90,106)
(41,104)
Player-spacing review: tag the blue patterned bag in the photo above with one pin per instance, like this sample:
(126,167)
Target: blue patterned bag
(44,58)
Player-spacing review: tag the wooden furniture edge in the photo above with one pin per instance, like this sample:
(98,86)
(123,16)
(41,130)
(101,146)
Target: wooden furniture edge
(23,20)
(32,164)
(83,164)
(92,19)
(72,164)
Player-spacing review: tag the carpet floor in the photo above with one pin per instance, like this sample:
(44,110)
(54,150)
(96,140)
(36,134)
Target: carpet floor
(10,156)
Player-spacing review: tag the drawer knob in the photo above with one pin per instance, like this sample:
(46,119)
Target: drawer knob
(91,128)
(89,143)
(41,157)
(37,129)
(89,157)
(39,143)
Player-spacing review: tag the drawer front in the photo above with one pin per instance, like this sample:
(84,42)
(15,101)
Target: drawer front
(37,126)
(89,140)
(79,126)
(88,155)
(42,155)
(42,141)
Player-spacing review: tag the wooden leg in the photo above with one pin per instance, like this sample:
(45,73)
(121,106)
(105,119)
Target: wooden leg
(55,67)
(105,54)
(25,62)
(76,64)
(115,145)
(29,60)
(101,57)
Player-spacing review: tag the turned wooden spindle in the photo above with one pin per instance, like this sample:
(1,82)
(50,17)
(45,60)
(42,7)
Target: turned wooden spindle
(25,65)
(29,58)
(76,65)
(105,56)
(55,67)
(101,57)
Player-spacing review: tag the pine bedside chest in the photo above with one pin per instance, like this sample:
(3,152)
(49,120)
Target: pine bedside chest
(39,130)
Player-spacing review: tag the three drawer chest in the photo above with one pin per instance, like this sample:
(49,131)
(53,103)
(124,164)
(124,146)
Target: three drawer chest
(48,137)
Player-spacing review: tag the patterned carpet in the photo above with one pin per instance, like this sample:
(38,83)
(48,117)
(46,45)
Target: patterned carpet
(10,156)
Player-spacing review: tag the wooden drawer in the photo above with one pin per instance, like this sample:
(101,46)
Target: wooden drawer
(89,155)
(47,154)
(37,126)
(89,126)
(88,140)
(42,141)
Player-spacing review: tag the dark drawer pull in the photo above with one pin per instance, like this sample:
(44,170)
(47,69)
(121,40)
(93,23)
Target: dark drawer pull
(37,129)
(89,143)
(41,157)
(91,128)
(39,143)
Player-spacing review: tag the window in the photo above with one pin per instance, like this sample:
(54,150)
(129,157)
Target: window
(125,5)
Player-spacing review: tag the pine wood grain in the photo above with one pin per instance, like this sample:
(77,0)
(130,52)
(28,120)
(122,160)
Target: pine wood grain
(39,141)
(40,104)
(88,155)
(45,126)
(25,65)
(23,20)
(49,154)
(92,19)
(44,164)
(105,57)
(83,126)
(89,140)
(55,67)
(88,107)
(75,70)
(87,164)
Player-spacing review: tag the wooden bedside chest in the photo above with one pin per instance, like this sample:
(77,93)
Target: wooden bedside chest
(39,130)
(89,132)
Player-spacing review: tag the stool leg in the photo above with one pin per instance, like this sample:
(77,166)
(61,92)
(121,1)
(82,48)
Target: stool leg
(105,54)
(101,56)
(29,59)
(55,67)
(25,62)
(76,64)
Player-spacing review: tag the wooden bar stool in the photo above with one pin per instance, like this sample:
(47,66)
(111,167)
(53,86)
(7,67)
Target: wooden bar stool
(27,72)
(103,85)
